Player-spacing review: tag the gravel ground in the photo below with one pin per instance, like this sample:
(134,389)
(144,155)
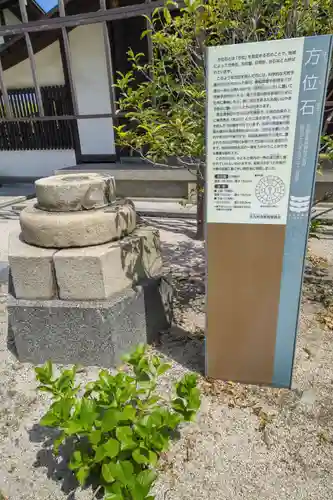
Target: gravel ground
(248,443)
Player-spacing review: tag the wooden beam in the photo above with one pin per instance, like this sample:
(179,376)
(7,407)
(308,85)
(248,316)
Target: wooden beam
(3,88)
(32,60)
(62,117)
(114,14)
(108,58)
(68,58)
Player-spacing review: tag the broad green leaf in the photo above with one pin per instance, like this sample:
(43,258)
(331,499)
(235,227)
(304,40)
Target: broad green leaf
(74,427)
(171,420)
(44,373)
(100,454)
(159,441)
(110,420)
(65,380)
(82,474)
(179,404)
(115,488)
(111,448)
(49,420)
(44,388)
(114,496)
(152,458)
(49,368)
(128,413)
(137,491)
(125,436)
(95,436)
(87,413)
(146,478)
(140,457)
(124,432)
(143,456)
(155,419)
(76,460)
(123,471)
(41,375)
(164,367)
(107,473)
(63,408)
(143,483)
(58,442)
(141,430)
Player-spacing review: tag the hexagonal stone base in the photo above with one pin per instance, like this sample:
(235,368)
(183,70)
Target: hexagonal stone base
(89,333)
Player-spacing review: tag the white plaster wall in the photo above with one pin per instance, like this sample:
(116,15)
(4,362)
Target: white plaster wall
(34,163)
(49,70)
(92,89)
(10,18)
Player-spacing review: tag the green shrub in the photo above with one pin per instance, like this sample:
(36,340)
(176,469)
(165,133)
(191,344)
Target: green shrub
(119,424)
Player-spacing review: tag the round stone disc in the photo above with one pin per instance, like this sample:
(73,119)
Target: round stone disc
(76,229)
(75,192)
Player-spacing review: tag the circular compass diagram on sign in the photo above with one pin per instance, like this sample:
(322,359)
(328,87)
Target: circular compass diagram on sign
(270,190)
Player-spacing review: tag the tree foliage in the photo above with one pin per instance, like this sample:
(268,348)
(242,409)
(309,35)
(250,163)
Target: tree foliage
(166,111)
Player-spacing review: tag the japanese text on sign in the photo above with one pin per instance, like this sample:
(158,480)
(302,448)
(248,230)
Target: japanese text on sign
(252,109)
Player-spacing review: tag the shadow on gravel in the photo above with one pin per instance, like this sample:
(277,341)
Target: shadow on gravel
(184,348)
(185,261)
(11,345)
(57,466)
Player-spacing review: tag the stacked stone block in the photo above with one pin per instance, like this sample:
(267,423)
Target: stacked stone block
(80,261)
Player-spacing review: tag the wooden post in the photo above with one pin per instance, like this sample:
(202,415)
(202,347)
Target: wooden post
(32,60)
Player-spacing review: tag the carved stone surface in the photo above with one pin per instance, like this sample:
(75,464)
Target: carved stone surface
(32,269)
(76,229)
(97,272)
(93,333)
(75,192)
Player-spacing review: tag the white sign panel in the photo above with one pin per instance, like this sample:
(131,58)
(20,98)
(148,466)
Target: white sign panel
(253,92)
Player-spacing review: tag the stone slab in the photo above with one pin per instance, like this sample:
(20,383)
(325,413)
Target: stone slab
(77,229)
(32,270)
(97,272)
(75,192)
(89,333)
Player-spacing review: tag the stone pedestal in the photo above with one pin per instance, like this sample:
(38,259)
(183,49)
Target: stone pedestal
(90,333)
(85,282)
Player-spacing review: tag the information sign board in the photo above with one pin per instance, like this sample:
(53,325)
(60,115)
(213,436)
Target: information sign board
(264,118)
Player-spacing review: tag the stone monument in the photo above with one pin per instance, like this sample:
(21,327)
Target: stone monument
(85,279)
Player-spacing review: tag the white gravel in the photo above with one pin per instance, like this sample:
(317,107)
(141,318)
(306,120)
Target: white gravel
(248,443)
